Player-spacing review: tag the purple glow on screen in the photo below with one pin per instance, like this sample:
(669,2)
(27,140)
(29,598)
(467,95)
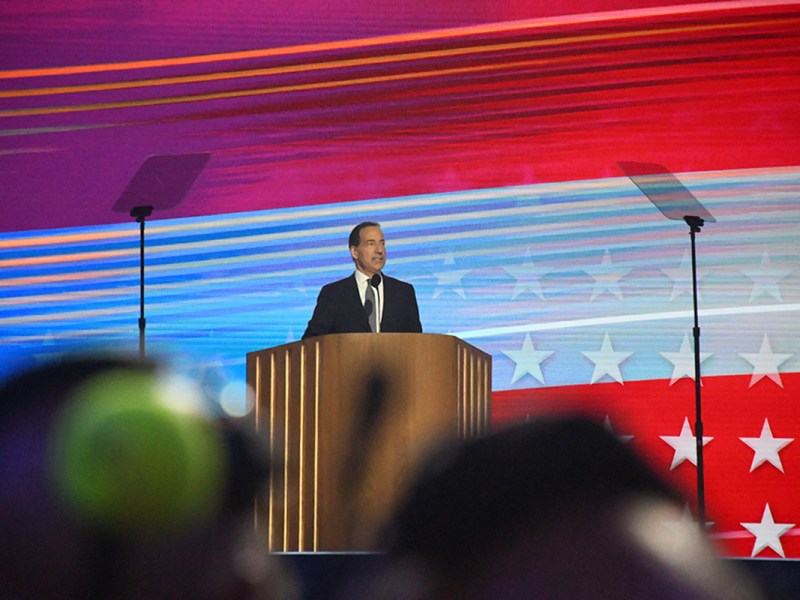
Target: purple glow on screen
(498,98)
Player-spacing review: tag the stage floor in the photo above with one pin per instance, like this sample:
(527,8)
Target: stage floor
(327,575)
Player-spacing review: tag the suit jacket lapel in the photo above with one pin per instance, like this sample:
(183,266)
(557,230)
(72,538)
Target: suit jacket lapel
(388,299)
(354,301)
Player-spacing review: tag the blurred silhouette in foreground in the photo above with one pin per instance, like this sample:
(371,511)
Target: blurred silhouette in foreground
(556,508)
(115,484)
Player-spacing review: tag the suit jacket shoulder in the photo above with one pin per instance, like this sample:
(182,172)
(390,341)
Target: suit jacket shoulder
(338,310)
(400,311)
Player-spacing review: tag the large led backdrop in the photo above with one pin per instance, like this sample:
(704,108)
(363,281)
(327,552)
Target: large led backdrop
(485,140)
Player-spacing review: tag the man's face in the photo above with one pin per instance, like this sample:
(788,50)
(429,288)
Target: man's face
(370,254)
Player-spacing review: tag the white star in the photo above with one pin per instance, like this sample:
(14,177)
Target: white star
(686,524)
(606,361)
(622,438)
(527,277)
(685,521)
(682,277)
(685,445)
(766,448)
(450,279)
(683,360)
(606,277)
(765,279)
(767,532)
(765,363)
(528,360)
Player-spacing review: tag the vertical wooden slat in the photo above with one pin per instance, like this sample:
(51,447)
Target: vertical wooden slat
(316,390)
(301,454)
(462,417)
(254,377)
(272,446)
(487,393)
(288,455)
(473,397)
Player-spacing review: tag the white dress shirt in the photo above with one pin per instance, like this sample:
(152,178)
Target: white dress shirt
(362,281)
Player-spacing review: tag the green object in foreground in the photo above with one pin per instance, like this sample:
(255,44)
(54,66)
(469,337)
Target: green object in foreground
(126,461)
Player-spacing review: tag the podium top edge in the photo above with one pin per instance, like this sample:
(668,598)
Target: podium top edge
(363,337)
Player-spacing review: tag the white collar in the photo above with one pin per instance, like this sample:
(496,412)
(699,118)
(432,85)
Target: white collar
(362,278)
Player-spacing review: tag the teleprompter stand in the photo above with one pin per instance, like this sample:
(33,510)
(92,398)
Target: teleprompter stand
(676,202)
(161,183)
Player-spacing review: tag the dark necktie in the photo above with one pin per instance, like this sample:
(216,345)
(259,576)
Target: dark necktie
(370,306)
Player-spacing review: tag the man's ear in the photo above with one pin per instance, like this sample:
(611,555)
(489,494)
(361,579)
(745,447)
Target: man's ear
(353,252)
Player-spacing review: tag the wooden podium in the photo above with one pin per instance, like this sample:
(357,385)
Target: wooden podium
(348,418)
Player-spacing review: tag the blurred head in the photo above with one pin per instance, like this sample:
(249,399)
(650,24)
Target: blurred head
(117,485)
(368,248)
(551,509)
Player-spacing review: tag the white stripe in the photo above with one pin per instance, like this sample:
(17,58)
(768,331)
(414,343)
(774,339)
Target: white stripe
(644,317)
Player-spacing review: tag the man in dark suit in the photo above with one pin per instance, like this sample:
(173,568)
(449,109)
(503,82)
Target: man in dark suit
(344,306)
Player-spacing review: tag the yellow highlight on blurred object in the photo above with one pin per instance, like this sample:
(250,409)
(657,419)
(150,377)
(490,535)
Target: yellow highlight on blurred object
(123,459)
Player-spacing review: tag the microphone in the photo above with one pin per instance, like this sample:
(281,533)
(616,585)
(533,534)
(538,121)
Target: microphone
(375,282)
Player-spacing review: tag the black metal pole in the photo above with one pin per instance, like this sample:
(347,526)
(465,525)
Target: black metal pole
(695,223)
(141,212)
